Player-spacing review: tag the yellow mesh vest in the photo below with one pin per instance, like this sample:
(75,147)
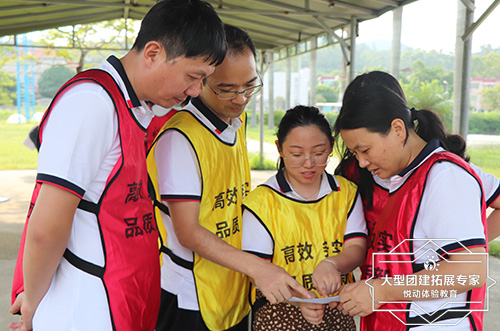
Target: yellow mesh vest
(222,293)
(304,232)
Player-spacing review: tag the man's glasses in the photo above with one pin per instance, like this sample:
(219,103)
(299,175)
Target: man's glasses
(296,160)
(230,95)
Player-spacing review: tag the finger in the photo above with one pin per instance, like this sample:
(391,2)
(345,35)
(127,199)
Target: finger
(333,304)
(322,289)
(313,316)
(16,306)
(15,326)
(283,294)
(299,290)
(270,297)
(346,307)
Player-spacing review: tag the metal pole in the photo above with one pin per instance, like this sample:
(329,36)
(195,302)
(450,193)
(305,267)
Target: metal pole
(397,17)
(261,111)
(352,49)
(312,74)
(465,17)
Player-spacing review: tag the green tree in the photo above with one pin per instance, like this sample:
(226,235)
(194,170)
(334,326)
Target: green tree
(84,38)
(487,65)
(52,79)
(431,96)
(490,98)
(7,89)
(327,92)
(7,81)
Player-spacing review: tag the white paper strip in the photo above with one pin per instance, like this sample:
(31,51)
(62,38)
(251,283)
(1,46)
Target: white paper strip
(322,301)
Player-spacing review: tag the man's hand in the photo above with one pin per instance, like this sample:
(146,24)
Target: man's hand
(275,283)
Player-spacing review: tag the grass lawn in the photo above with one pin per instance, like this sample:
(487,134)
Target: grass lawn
(254,133)
(13,154)
(487,158)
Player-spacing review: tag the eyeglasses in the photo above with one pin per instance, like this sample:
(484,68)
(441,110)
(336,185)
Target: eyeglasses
(296,160)
(230,95)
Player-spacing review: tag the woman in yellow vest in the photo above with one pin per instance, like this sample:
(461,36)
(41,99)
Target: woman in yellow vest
(307,221)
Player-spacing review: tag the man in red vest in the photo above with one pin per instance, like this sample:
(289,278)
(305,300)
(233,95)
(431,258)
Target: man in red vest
(89,255)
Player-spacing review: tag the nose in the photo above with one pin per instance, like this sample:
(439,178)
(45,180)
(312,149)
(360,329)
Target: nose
(193,90)
(363,161)
(308,162)
(240,98)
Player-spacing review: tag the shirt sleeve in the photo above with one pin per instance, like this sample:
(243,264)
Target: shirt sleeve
(255,238)
(356,224)
(178,171)
(450,211)
(77,137)
(491,185)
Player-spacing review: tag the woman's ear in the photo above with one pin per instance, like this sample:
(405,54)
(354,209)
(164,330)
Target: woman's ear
(398,128)
(278,147)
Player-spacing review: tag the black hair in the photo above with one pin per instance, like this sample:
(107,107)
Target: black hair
(374,78)
(189,28)
(373,101)
(300,116)
(237,39)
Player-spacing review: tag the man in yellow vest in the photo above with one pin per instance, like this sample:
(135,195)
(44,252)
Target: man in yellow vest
(200,170)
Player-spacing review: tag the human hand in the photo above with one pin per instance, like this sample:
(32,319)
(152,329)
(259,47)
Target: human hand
(312,312)
(355,299)
(276,284)
(16,309)
(16,306)
(326,278)
(21,306)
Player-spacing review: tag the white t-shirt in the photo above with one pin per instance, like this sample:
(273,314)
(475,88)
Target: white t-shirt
(450,210)
(80,147)
(179,179)
(256,238)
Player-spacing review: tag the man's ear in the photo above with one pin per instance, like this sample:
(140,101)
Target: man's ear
(153,52)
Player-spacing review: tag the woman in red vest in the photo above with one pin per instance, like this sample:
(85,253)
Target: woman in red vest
(434,209)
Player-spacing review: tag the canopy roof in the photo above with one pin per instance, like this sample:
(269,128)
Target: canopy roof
(273,24)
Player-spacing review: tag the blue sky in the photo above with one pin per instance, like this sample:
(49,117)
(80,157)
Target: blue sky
(431,24)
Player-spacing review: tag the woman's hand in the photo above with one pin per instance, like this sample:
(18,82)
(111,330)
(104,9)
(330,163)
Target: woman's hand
(20,305)
(312,312)
(326,278)
(355,298)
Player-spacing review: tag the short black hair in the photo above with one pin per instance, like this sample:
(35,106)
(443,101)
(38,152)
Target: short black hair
(237,39)
(189,28)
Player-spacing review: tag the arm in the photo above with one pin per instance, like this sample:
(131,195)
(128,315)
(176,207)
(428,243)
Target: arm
(356,299)
(273,281)
(494,220)
(491,188)
(46,240)
(326,276)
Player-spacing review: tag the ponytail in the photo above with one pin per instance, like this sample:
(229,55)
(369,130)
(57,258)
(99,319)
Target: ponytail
(430,126)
